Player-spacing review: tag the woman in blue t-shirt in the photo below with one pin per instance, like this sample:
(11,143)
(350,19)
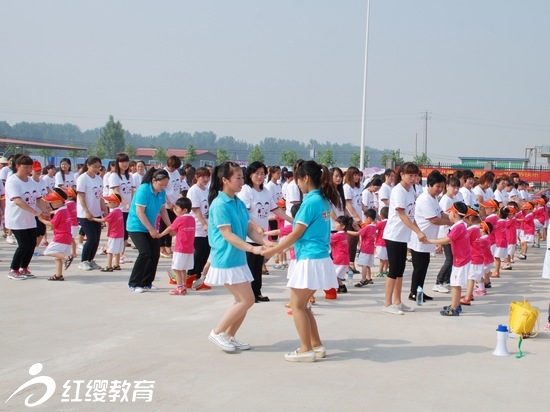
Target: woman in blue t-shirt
(313,268)
(148,201)
(228,226)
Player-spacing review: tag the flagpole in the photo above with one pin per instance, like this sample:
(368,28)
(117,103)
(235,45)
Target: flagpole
(362,154)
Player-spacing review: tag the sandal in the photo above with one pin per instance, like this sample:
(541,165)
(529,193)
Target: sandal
(68,262)
(106,269)
(117,268)
(59,278)
(178,291)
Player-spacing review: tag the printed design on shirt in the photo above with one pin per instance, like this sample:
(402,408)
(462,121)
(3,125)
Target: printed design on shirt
(204,208)
(29,198)
(262,210)
(125,188)
(409,210)
(98,191)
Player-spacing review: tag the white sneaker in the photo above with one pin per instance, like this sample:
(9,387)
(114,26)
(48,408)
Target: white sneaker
(393,309)
(80,245)
(135,289)
(84,265)
(222,341)
(11,240)
(94,265)
(150,288)
(238,344)
(440,289)
(405,308)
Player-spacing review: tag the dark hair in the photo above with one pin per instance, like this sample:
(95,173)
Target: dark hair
(272,171)
(348,178)
(294,209)
(320,178)
(21,159)
(173,161)
(408,168)
(224,170)
(370,213)
(66,160)
(49,167)
(503,212)
(453,181)
(347,221)
(122,157)
(200,172)
(377,182)
(184,203)
(61,192)
(461,208)
(384,212)
(251,169)
(154,174)
(90,161)
(339,188)
(435,177)
(467,174)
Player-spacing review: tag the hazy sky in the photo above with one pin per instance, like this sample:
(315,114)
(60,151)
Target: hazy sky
(288,69)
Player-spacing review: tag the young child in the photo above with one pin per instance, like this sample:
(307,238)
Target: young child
(528,231)
(282,263)
(182,258)
(71,208)
(476,268)
(381,252)
(490,208)
(540,220)
(511,234)
(366,253)
(115,232)
(485,245)
(460,244)
(60,247)
(339,249)
(501,241)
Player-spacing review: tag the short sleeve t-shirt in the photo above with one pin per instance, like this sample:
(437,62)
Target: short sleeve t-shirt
(400,198)
(125,188)
(339,248)
(146,197)
(115,224)
(426,208)
(199,200)
(68,180)
(475,245)
(353,194)
(460,244)
(17,218)
(61,222)
(92,187)
(368,237)
(259,204)
(184,226)
(315,215)
(227,211)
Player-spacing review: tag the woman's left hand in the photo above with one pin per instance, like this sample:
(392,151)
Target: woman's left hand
(422,237)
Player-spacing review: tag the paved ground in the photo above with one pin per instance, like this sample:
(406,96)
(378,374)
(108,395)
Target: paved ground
(91,327)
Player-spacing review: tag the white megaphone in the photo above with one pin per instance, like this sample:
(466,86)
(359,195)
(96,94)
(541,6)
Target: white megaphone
(502,339)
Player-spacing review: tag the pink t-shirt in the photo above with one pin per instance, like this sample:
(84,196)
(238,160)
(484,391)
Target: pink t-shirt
(511,236)
(539,214)
(115,224)
(475,246)
(517,217)
(184,226)
(380,226)
(492,219)
(339,248)
(61,222)
(285,231)
(499,229)
(460,244)
(71,207)
(485,244)
(368,235)
(529,224)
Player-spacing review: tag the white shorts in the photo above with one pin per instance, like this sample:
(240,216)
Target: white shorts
(381,253)
(230,276)
(459,275)
(115,246)
(55,247)
(538,225)
(183,261)
(365,259)
(476,272)
(341,271)
(527,238)
(74,231)
(487,268)
(512,249)
(313,274)
(493,247)
(501,252)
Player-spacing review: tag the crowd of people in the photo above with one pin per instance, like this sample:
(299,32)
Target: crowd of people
(228,221)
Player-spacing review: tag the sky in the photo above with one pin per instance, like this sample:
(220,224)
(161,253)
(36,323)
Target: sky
(290,69)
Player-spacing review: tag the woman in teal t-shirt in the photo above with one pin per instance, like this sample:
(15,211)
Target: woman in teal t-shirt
(228,226)
(314,268)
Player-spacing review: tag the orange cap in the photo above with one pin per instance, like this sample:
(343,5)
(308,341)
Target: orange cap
(56,194)
(490,203)
(113,197)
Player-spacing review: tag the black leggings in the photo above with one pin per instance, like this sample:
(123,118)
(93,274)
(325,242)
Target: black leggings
(255,264)
(421,261)
(397,258)
(92,230)
(444,275)
(200,256)
(26,242)
(166,240)
(145,266)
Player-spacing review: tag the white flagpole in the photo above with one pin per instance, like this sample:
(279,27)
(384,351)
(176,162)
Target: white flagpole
(362,154)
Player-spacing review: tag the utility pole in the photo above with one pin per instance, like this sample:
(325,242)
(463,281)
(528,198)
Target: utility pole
(426,116)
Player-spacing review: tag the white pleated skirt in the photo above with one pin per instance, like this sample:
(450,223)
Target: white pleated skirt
(313,274)
(231,276)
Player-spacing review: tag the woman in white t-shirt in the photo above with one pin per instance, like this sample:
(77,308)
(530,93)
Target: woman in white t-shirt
(259,202)
(397,233)
(337,210)
(121,183)
(384,193)
(21,199)
(139,173)
(198,194)
(64,178)
(173,192)
(352,194)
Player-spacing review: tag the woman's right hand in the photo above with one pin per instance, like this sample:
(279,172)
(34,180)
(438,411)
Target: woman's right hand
(89,216)
(154,234)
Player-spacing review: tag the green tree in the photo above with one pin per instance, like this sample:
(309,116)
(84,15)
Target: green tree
(97,151)
(191,153)
(74,153)
(393,156)
(222,155)
(256,155)
(288,158)
(355,159)
(326,158)
(422,159)
(45,153)
(111,138)
(160,155)
(130,150)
